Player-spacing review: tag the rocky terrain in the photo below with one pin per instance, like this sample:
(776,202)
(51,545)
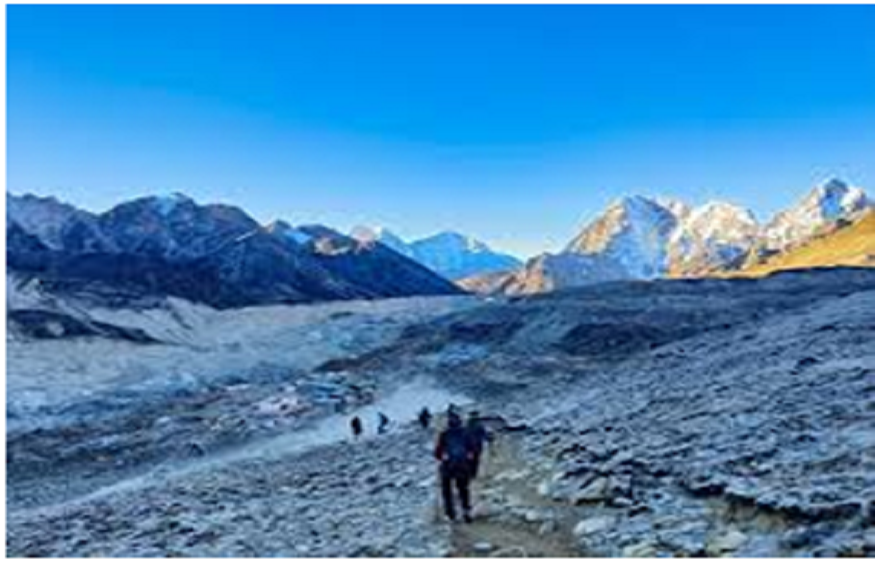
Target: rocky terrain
(648,418)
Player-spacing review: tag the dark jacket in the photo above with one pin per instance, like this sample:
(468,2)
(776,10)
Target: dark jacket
(453,447)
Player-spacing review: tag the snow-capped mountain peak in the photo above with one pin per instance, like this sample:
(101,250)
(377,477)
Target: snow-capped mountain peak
(450,254)
(711,236)
(834,198)
(826,203)
(380,234)
(456,242)
(632,232)
(457,256)
(720,221)
(678,208)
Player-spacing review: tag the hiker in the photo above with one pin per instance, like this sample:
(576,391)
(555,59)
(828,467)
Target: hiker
(478,436)
(356,425)
(454,453)
(425,418)
(384,423)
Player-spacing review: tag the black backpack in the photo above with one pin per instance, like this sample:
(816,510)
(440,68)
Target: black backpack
(456,446)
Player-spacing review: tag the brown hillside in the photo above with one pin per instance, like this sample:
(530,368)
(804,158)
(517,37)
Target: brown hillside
(852,245)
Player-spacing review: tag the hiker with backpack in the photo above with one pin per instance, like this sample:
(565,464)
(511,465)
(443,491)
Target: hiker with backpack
(454,452)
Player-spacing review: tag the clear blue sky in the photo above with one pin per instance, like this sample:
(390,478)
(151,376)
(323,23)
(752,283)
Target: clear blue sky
(514,124)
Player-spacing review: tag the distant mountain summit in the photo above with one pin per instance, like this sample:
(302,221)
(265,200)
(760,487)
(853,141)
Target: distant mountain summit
(717,235)
(383,236)
(827,203)
(452,255)
(848,242)
(642,238)
(215,254)
(218,254)
(633,233)
(57,225)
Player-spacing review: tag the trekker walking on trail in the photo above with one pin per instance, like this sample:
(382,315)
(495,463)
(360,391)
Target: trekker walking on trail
(384,424)
(454,453)
(477,437)
(356,426)
(425,418)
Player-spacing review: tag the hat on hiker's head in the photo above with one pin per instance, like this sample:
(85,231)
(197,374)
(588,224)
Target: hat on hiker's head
(453,419)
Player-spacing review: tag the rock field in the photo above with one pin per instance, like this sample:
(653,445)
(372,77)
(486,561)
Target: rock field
(672,418)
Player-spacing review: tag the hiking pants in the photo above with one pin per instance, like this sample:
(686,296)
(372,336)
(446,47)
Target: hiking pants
(457,475)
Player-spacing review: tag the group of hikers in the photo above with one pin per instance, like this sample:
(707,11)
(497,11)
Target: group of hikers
(458,450)
(358,427)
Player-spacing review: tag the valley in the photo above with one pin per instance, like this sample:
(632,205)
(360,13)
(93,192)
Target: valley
(648,418)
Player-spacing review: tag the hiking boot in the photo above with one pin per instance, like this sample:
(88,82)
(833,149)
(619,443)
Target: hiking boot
(468,518)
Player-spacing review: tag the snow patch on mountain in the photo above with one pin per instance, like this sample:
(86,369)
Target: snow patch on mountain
(383,236)
(283,229)
(167,204)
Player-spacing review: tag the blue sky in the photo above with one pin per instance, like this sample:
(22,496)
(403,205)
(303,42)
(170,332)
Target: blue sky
(514,124)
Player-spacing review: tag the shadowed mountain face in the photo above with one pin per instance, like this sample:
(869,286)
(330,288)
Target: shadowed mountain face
(214,254)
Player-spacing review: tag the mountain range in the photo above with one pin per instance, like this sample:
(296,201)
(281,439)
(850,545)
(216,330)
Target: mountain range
(639,238)
(452,255)
(214,254)
(218,255)
(845,243)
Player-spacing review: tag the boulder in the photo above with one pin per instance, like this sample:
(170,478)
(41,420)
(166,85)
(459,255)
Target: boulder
(596,491)
(727,541)
(643,549)
(593,525)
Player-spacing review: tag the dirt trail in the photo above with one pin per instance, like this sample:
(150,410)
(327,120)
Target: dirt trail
(510,518)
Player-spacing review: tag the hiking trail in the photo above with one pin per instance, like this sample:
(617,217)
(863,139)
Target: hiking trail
(510,518)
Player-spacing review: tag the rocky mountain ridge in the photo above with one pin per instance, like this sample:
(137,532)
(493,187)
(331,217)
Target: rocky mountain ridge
(214,254)
(640,238)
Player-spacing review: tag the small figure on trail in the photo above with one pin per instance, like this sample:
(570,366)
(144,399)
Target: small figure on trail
(425,418)
(384,423)
(478,436)
(356,425)
(454,453)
